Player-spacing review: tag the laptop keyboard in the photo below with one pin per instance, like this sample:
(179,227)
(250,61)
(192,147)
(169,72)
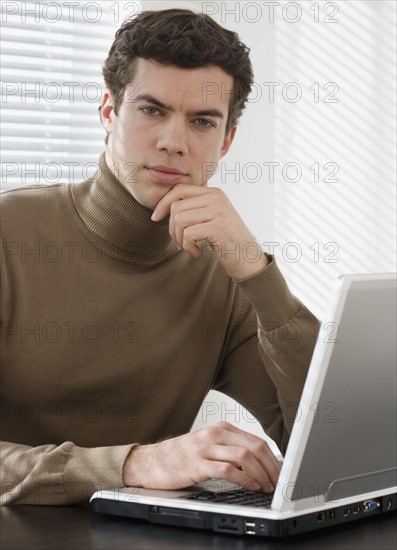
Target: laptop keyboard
(236,496)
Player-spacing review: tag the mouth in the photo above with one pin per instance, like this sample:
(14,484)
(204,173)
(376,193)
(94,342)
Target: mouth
(166,174)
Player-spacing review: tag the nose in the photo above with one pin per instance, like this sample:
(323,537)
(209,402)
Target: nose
(173,138)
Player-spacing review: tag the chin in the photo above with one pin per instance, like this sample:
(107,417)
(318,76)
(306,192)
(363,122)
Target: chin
(150,201)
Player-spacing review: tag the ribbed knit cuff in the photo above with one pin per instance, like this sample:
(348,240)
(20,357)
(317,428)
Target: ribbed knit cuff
(92,469)
(269,295)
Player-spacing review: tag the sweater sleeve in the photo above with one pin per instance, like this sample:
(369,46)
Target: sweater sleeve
(63,474)
(268,352)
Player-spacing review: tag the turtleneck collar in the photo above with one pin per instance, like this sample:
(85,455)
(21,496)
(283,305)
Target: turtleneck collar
(118,223)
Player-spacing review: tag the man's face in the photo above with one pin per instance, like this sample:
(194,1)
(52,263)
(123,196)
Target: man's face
(170,128)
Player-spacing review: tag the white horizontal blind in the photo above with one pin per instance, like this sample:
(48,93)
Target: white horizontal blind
(52,55)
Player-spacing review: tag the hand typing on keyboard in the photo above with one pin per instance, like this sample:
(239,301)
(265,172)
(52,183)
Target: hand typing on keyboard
(219,451)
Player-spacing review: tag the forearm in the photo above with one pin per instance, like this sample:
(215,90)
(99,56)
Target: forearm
(287,333)
(58,474)
(267,359)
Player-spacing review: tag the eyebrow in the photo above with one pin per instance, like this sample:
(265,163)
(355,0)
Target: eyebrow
(150,99)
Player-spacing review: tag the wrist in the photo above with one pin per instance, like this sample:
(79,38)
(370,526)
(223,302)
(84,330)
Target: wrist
(249,268)
(132,473)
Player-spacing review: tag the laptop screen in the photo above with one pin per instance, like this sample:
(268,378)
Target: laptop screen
(351,445)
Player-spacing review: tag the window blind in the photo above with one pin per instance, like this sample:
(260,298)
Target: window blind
(52,55)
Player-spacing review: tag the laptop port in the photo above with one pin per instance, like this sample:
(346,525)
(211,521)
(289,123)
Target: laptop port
(347,512)
(370,505)
(228,525)
(250,528)
(321,516)
(332,514)
(356,510)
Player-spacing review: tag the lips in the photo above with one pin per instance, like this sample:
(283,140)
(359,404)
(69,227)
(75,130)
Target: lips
(166,174)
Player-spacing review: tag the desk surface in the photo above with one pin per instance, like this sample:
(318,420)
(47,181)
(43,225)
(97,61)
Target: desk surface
(78,527)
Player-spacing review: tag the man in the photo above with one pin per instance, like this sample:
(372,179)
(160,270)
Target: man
(127,297)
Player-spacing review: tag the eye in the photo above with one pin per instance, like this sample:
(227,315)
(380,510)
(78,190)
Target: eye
(204,123)
(150,110)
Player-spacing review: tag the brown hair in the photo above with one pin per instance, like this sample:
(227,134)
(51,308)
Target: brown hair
(178,37)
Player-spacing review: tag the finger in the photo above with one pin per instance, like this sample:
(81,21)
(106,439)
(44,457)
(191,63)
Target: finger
(194,233)
(262,451)
(180,221)
(177,193)
(243,460)
(255,440)
(213,469)
(231,435)
(180,206)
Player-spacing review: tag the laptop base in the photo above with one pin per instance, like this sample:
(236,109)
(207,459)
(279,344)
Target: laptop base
(254,526)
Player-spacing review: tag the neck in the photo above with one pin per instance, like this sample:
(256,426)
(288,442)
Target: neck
(117,222)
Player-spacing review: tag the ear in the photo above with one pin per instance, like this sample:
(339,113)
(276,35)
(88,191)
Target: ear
(228,141)
(107,111)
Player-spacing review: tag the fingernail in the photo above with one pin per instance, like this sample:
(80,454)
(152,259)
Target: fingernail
(253,486)
(155,216)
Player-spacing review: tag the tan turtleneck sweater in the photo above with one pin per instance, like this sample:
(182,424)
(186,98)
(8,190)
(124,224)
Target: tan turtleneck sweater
(111,337)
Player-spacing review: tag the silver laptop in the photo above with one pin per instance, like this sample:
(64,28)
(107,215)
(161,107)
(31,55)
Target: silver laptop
(341,462)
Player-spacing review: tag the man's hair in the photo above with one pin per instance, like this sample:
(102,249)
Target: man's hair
(183,38)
